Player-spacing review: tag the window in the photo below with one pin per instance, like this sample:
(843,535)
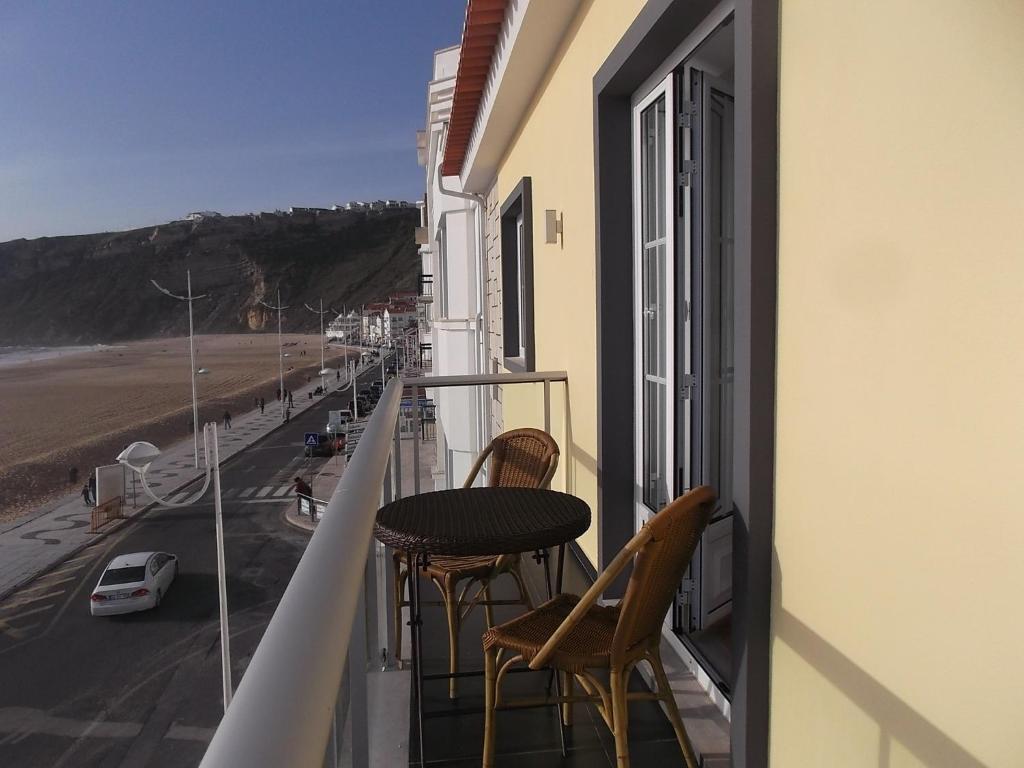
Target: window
(517,278)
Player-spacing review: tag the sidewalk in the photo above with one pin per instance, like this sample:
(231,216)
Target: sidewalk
(39,540)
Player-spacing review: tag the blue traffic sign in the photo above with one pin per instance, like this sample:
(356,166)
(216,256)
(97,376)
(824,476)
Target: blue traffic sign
(313,439)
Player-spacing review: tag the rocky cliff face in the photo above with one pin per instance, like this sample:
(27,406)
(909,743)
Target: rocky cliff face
(96,288)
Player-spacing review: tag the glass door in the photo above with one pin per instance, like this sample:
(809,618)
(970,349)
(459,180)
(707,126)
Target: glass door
(654,320)
(705,224)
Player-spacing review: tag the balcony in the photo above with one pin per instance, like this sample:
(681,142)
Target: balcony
(323,687)
(426,291)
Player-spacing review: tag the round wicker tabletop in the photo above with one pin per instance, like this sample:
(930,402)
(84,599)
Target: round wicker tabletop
(482,521)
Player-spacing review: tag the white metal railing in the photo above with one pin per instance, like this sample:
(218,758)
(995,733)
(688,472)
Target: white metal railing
(312,507)
(286,709)
(486,379)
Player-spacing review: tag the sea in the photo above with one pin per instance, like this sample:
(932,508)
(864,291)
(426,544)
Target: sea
(18,355)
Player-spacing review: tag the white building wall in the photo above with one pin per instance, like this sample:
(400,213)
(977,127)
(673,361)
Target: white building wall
(451,225)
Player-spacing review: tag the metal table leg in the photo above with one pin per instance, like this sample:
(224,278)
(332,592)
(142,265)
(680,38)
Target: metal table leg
(415,623)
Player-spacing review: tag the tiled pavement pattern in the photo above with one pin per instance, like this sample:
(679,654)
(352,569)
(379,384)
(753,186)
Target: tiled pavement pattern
(40,540)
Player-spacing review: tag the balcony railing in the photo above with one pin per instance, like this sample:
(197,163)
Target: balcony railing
(312,662)
(426,288)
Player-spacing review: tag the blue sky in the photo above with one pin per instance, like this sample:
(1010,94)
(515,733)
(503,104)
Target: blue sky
(118,114)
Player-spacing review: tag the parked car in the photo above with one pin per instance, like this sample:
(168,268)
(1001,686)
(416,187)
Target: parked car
(135,582)
(328,445)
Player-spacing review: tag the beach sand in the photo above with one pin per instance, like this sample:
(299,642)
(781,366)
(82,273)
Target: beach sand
(82,409)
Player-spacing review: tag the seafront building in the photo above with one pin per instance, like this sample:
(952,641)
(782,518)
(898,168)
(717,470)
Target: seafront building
(736,232)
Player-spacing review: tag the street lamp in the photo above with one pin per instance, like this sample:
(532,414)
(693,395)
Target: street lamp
(280,345)
(192,352)
(323,367)
(138,456)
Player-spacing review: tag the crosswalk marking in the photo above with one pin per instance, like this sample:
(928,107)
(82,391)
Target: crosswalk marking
(26,599)
(282,490)
(228,493)
(246,493)
(29,612)
(49,583)
(264,491)
(15,633)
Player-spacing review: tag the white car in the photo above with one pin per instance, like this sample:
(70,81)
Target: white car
(135,582)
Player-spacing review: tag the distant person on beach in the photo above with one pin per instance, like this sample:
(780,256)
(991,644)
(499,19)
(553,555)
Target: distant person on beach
(227,420)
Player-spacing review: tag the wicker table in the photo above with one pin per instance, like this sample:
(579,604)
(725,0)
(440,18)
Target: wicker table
(476,521)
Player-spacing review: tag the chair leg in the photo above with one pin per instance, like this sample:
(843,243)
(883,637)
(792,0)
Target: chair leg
(665,691)
(488,610)
(490,698)
(620,717)
(451,605)
(398,592)
(567,689)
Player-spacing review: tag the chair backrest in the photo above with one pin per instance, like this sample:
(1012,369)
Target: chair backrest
(520,458)
(658,567)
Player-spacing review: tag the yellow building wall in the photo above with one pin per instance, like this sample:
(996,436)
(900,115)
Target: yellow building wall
(899,529)
(555,147)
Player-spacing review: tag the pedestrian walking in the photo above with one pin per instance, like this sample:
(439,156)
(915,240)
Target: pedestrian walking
(337,374)
(227,420)
(86,495)
(262,405)
(291,402)
(92,488)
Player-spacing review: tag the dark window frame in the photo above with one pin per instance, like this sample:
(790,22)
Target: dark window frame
(514,339)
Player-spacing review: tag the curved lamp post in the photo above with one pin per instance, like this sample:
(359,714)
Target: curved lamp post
(191,349)
(280,346)
(138,456)
(323,366)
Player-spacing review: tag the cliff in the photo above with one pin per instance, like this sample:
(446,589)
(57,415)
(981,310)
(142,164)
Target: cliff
(96,288)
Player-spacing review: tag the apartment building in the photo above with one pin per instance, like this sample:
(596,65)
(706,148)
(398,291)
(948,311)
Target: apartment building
(737,227)
(767,246)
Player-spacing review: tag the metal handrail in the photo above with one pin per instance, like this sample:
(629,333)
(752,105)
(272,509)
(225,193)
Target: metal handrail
(283,711)
(474,379)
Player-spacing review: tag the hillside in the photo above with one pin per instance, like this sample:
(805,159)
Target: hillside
(96,288)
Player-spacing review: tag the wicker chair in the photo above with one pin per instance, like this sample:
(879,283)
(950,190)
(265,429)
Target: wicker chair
(574,635)
(520,458)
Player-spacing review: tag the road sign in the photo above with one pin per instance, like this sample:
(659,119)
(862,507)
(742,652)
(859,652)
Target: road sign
(313,439)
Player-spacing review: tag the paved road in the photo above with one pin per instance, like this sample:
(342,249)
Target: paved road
(144,689)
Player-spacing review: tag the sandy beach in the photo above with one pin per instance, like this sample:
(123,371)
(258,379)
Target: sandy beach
(81,409)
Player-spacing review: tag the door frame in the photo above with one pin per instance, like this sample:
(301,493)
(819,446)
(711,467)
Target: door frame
(645,51)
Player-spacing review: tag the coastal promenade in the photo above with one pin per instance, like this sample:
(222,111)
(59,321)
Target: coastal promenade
(40,540)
